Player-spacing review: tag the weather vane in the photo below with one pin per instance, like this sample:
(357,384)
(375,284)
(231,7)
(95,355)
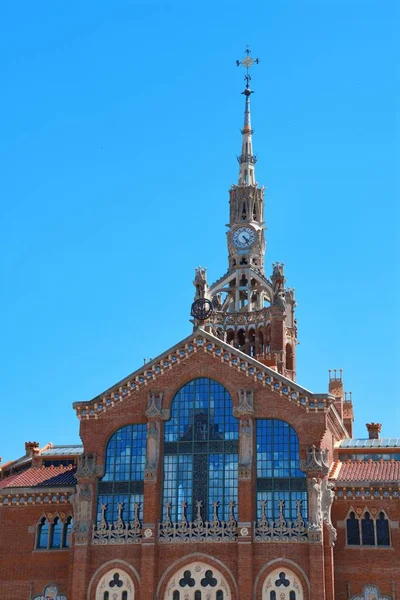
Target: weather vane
(247,62)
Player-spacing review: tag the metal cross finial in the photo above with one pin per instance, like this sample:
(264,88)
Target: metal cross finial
(247,62)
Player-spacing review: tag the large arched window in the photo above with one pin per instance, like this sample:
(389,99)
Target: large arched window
(201,450)
(124,473)
(278,469)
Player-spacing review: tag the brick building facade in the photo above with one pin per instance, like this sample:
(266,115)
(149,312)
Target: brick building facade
(210,473)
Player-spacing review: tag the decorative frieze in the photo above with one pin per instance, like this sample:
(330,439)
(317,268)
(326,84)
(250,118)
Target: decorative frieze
(361,492)
(24,499)
(118,532)
(225,353)
(198,530)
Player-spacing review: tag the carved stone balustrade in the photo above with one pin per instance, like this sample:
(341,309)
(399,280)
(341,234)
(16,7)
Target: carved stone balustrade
(282,530)
(117,532)
(198,530)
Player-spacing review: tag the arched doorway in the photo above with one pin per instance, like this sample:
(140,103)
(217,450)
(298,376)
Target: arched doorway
(282,584)
(197,581)
(115,585)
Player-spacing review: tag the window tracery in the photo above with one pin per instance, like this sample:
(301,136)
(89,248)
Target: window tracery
(367,530)
(282,583)
(197,581)
(116,584)
(200,452)
(53,532)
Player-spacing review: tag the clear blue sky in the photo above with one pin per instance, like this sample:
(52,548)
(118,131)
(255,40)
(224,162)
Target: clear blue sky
(119,128)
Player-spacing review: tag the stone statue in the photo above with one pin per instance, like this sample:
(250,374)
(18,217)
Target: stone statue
(217,301)
(314,503)
(246,442)
(200,282)
(82,506)
(152,445)
(327,497)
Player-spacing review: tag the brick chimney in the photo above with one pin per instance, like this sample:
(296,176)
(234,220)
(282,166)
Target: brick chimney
(374,430)
(31,448)
(336,389)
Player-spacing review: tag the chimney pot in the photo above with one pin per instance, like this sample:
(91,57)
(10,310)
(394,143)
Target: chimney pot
(374,430)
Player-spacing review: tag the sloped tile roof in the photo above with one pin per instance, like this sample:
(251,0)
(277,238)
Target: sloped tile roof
(371,470)
(41,477)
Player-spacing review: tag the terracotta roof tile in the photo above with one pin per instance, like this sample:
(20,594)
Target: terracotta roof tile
(371,470)
(41,477)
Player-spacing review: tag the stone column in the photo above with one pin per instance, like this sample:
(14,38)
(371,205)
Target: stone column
(84,514)
(152,493)
(245,413)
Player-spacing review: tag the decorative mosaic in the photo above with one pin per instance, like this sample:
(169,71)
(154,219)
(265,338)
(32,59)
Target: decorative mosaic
(367,493)
(225,353)
(50,593)
(30,499)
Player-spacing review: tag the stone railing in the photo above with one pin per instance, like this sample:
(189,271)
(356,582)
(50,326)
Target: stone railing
(281,530)
(118,532)
(234,319)
(198,530)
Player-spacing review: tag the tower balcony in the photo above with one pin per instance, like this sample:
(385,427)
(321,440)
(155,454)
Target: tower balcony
(247,158)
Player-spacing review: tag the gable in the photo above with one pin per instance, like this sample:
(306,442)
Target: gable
(187,350)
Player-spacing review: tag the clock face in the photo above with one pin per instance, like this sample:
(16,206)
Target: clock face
(243,237)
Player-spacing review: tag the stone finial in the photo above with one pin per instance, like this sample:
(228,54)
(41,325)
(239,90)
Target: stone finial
(374,430)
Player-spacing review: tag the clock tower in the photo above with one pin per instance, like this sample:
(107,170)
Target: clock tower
(249,310)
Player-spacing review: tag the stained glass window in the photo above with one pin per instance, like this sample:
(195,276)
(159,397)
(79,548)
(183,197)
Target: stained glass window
(353,530)
(367,530)
(278,469)
(382,530)
(124,473)
(201,450)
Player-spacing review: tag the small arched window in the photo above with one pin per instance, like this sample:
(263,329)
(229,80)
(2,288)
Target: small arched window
(367,530)
(197,595)
(272,595)
(43,534)
(67,532)
(289,357)
(176,595)
(106,596)
(382,530)
(353,530)
(220,595)
(292,595)
(56,533)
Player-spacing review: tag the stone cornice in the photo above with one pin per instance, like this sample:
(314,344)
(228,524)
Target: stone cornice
(23,497)
(336,424)
(204,341)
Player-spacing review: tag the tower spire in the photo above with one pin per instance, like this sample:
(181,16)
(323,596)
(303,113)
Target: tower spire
(247,159)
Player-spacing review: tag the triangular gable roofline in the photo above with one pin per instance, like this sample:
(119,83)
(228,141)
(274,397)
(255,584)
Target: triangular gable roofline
(183,350)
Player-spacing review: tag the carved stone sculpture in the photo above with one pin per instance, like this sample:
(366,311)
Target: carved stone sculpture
(86,465)
(317,459)
(153,445)
(82,506)
(246,402)
(314,504)
(200,282)
(246,443)
(327,497)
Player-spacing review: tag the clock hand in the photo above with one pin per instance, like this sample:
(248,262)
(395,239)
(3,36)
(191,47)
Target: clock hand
(246,240)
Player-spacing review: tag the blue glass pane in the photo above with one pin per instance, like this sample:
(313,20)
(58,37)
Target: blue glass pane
(353,530)
(278,466)
(126,454)
(200,451)
(43,534)
(112,501)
